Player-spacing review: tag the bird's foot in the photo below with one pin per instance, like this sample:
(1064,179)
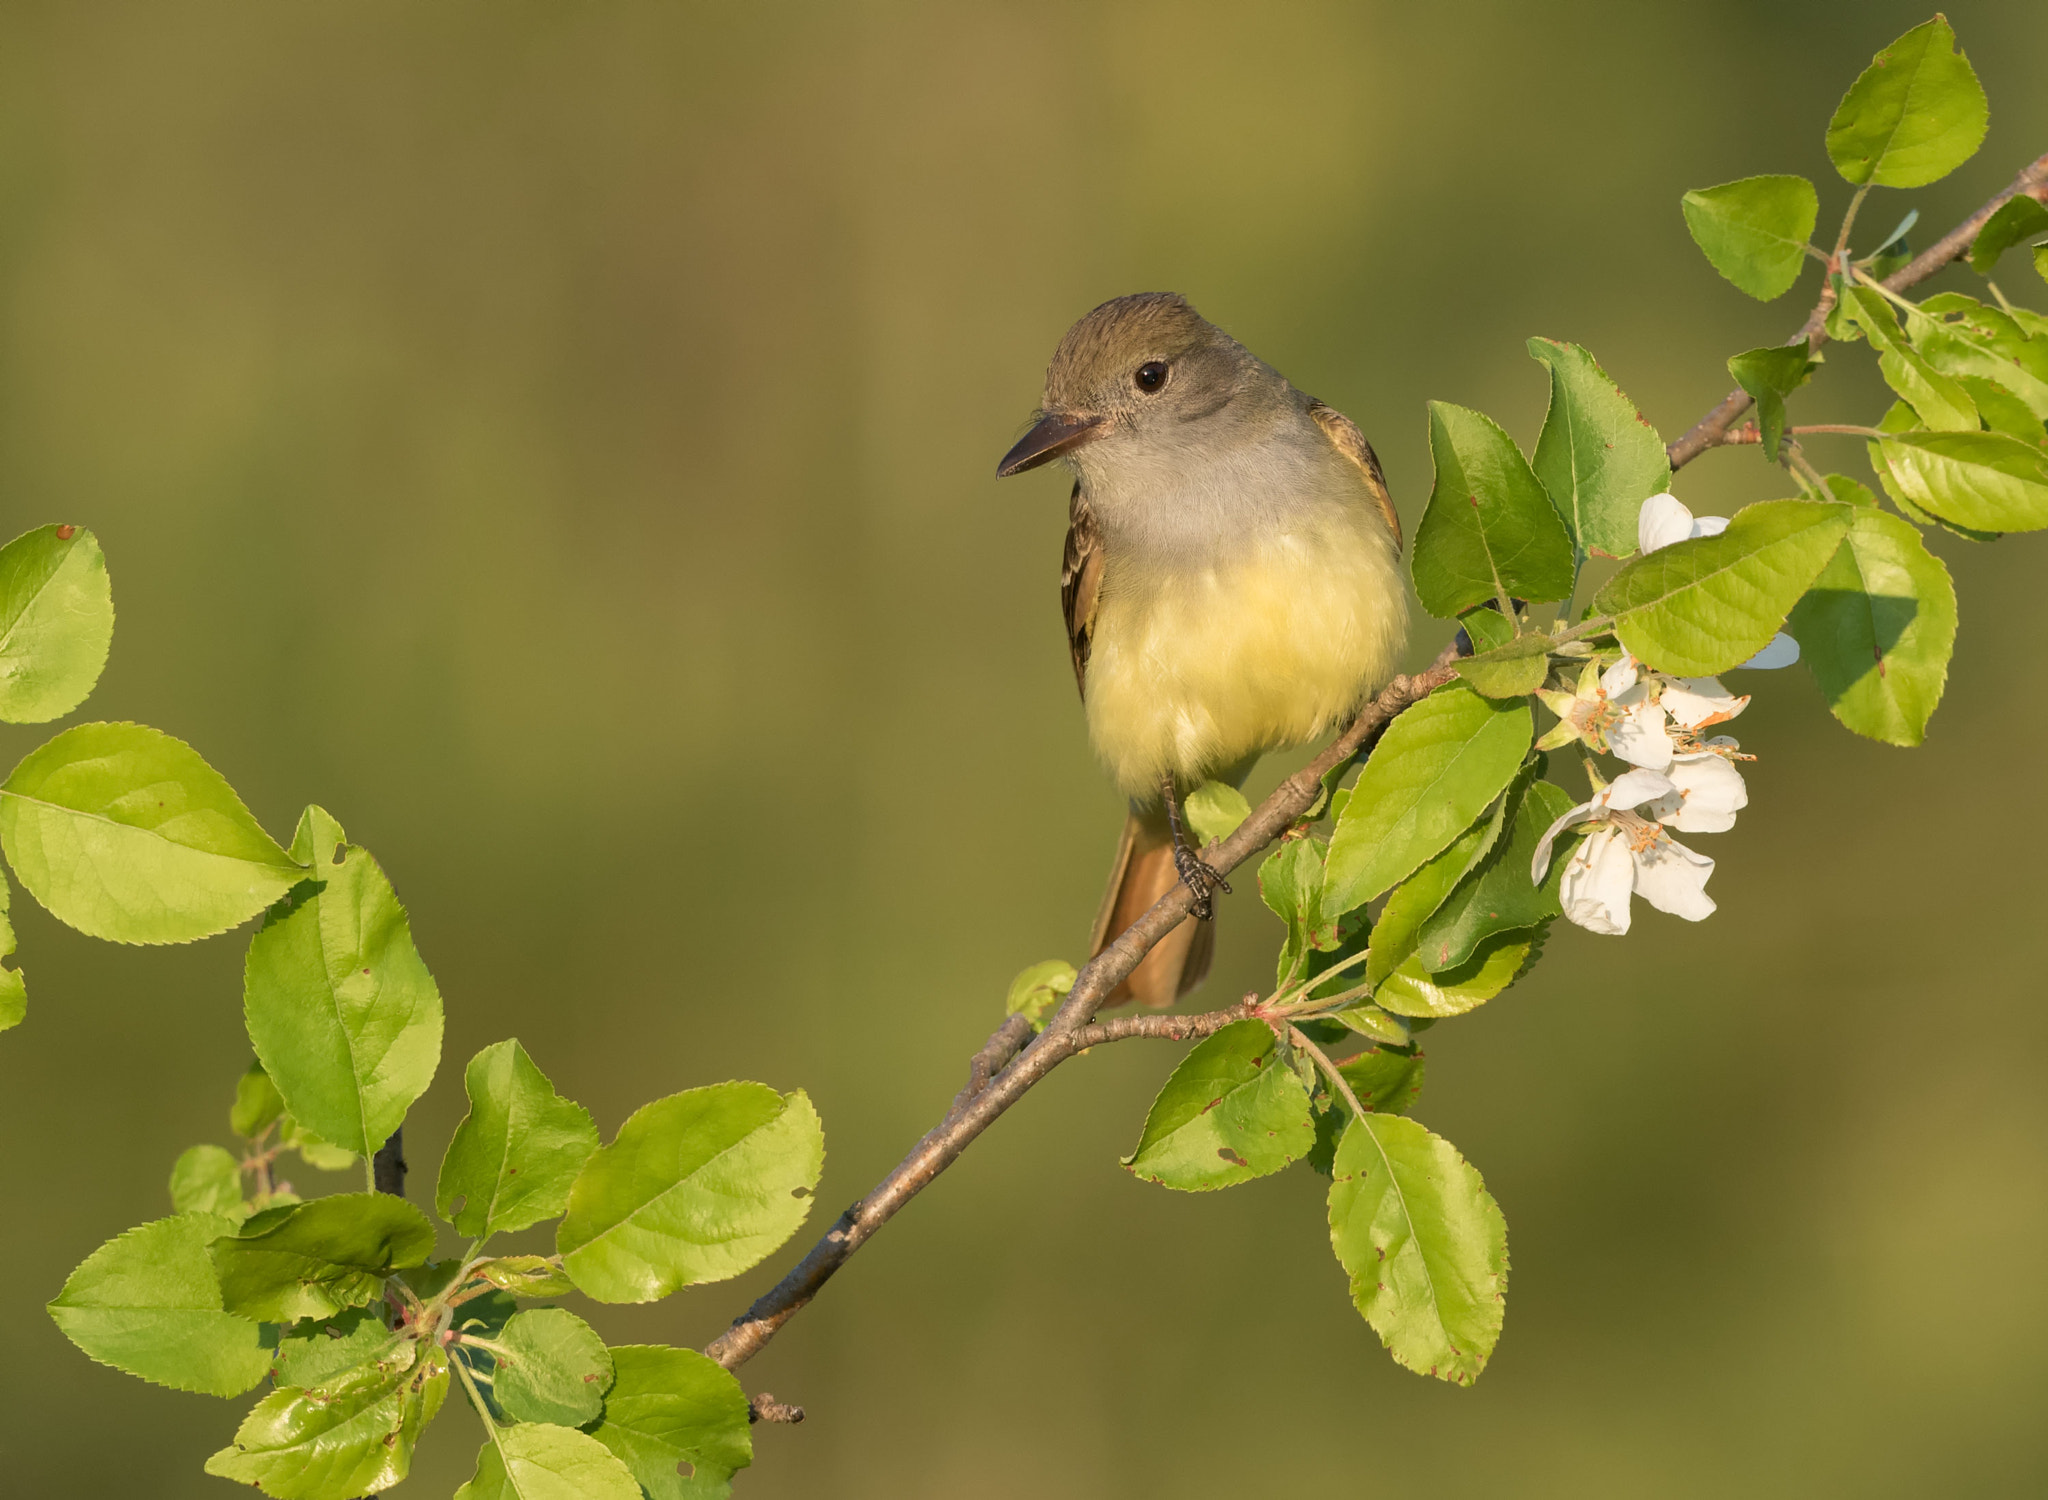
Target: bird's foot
(1199,878)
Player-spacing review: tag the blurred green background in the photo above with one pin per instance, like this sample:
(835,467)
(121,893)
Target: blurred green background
(558,439)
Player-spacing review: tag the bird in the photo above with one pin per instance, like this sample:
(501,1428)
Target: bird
(1231,583)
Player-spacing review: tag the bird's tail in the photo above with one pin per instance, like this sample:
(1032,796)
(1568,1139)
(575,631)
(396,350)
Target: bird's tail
(1144,871)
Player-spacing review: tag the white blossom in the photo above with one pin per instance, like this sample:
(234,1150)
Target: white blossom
(1632,853)
(1617,712)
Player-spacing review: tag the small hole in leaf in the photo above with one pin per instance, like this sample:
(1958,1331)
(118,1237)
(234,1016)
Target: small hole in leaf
(799,1192)
(340,853)
(685,1468)
(456,1206)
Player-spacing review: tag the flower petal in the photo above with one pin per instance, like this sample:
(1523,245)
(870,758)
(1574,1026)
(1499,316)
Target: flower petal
(1696,702)
(1620,677)
(1639,736)
(1539,866)
(1596,884)
(1635,787)
(1673,879)
(1707,794)
(1662,521)
(1709,526)
(1781,652)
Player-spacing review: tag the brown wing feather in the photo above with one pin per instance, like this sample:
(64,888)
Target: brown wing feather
(1349,441)
(1081,583)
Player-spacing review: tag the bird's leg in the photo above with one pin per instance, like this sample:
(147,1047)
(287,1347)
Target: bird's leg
(1198,877)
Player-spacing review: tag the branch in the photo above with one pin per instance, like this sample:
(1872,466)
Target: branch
(1068,1032)
(1711,430)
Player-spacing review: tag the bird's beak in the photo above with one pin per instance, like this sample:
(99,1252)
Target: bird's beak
(1056,432)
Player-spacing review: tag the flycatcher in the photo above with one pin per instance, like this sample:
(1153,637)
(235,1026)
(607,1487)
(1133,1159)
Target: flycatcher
(1231,582)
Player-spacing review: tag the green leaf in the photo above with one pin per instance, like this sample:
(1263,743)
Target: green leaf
(206,1180)
(1754,232)
(552,1367)
(1424,1244)
(696,1187)
(126,834)
(1849,491)
(13,987)
(527,1276)
(1416,899)
(516,1152)
(1985,343)
(1511,671)
(257,1104)
(1498,895)
(1436,767)
(1938,399)
(147,1302)
(1233,1110)
(1490,530)
(343,1013)
(1037,992)
(1412,990)
(318,1350)
(1770,375)
(313,1151)
(316,1259)
(1915,115)
(2002,411)
(539,1461)
(2018,218)
(1386,1082)
(1214,809)
(677,1420)
(1900,418)
(1699,607)
(56,622)
(1369,1021)
(2041,261)
(1598,457)
(1291,884)
(1877,627)
(353,1436)
(1983,480)
(1486,628)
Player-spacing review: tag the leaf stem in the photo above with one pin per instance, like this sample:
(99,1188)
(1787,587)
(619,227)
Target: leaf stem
(1330,1069)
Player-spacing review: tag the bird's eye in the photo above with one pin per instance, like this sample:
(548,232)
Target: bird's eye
(1151,375)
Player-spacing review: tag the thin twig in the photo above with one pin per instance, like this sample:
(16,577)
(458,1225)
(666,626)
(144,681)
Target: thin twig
(1067,1033)
(765,1408)
(994,1056)
(1710,430)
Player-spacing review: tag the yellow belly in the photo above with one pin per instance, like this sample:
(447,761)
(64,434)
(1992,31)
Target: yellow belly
(1196,672)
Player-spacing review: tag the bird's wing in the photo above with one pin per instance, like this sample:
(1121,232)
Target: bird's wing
(1081,582)
(1349,441)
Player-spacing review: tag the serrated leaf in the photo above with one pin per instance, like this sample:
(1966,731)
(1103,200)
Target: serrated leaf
(2003,411)
(353,1436)
(1754,232)
(1498,896)
(1770,374)
(316,1350)
(257,1104)
(696,1187)
(1490,530)
(1699,607)
(313,1151)
(56,622)
(2018,218)
(1291,885)
(1386,1082)
(1914,116)
(1424,1244)
(148,1303)
(1413,991)
(1597,456)
(515,1154)
(540,1461)
(344,1015)
(1999,353)
(677,1420)
(206,1180)
(551,1367)
(316,1259)
(1435,769)
(1230,1112)
(1939,400)
(126,834)
(1485,628)
(1877,628)
(1511,671)
(1376,1025)
(1983,480)
(527,1276)
(1416,899)
(1214,809)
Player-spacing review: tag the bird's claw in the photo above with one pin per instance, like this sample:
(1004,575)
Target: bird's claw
(1200,879)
